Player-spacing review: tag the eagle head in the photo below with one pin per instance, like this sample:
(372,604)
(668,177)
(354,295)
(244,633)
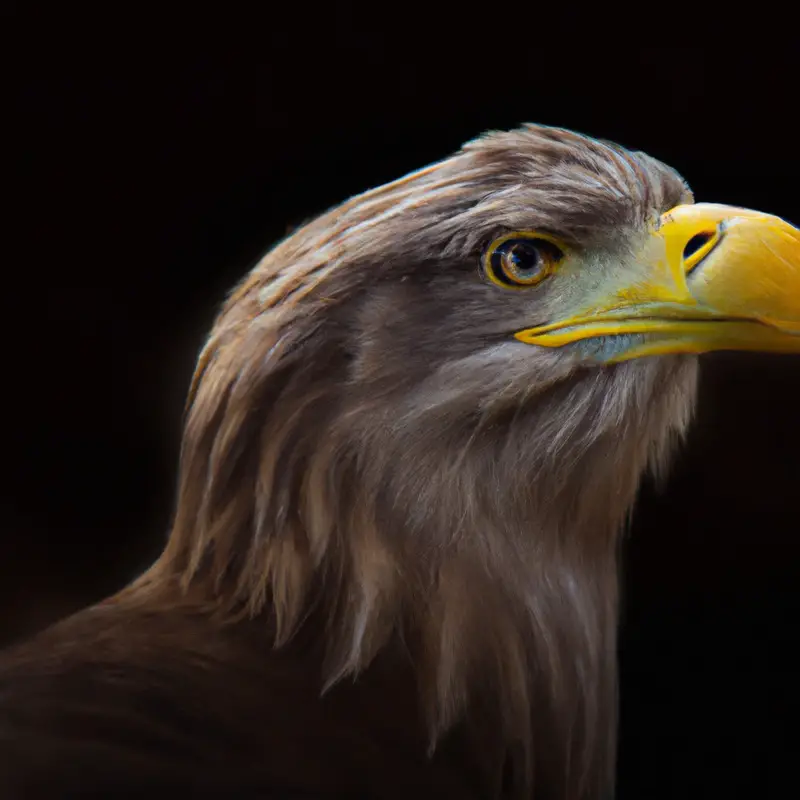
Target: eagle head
(422,418)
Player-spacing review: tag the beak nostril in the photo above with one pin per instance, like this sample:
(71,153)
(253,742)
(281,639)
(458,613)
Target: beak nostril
(696,243)
(698,247)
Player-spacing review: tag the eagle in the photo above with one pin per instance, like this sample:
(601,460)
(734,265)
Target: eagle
(411,446)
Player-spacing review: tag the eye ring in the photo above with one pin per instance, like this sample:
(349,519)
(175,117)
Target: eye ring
(521,260)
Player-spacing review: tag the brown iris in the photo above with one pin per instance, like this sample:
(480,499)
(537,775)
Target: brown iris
(521,260)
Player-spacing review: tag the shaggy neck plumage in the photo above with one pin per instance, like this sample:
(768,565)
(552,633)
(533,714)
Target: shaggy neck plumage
(486,541)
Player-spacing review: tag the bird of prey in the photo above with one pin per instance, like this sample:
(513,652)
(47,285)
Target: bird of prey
(411,443)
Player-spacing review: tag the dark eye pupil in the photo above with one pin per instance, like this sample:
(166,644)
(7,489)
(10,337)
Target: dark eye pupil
(524,258)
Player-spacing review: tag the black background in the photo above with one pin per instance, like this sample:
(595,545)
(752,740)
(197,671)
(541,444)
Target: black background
(149,169)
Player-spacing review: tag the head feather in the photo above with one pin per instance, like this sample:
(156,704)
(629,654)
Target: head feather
(364,442)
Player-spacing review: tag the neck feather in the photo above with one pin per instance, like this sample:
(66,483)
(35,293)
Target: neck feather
(486,543)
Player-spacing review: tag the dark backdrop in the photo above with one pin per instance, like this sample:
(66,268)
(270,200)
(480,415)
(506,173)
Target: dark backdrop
(149,170)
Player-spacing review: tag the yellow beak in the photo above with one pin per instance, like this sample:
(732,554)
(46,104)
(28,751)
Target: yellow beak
(710,277)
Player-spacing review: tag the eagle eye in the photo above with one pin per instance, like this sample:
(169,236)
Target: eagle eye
(521,260)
